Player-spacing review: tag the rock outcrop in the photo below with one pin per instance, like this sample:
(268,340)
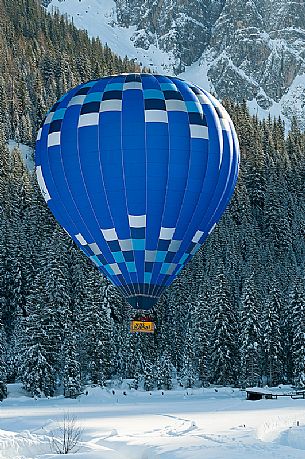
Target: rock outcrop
(244,49)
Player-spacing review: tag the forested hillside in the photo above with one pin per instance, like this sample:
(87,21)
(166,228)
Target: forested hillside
(235,315)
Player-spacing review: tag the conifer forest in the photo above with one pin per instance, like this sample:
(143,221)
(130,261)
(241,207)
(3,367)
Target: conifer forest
(234,316)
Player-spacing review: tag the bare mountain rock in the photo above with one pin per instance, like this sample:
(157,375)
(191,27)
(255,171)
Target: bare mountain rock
(243,49)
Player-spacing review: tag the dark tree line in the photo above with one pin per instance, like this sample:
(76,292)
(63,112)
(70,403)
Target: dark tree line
(235,315)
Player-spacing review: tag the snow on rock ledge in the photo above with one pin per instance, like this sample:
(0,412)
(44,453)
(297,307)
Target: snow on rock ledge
(242,50)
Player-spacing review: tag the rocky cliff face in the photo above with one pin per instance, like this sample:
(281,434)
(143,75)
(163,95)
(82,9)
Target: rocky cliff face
(242,49)
(183,27)
(258,48)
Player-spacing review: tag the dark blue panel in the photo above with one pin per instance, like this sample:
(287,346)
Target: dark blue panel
(155,104)
(55,126)
(90,107)
(110,95)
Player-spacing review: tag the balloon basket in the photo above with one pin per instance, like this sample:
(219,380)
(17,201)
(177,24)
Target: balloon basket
(142,323)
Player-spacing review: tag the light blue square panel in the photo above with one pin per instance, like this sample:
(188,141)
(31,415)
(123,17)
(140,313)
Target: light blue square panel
(160,256)
(114,87)
(96,260)
(165,268)
(168,87)
(193,106)
(94,97)
(179,269)
(138,244)
(59,114)
(147,277)
(153,94)
(131,267)
(118,256)
(183,258)
(109,269)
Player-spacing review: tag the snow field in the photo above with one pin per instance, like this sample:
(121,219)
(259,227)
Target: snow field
(197,424)
(98,17)
(27,153)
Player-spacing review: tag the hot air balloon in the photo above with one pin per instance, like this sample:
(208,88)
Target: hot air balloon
(138,169)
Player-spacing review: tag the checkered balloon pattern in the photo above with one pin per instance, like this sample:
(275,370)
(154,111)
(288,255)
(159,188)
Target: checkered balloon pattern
(138,169)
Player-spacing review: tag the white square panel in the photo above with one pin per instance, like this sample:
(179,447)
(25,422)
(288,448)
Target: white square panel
(225,124)
(171,268)
(156,116)
(203,99)
(81,239)
(195,249)
(132,85)
(199,132)
(137,221)
(126,245)
(113,105)
(95,249)
(42,184)
(54,139)
(77,100)
(110,234)
(115,268)
(174,246)
(197,236)
(49,118)
(88,119)
(175,105)
(150,255)
(166,233)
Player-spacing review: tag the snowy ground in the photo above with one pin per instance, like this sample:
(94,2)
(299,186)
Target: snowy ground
(202,424)
(26,153)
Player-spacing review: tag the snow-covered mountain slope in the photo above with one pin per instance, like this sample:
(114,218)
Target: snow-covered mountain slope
(253,50)
(99,18)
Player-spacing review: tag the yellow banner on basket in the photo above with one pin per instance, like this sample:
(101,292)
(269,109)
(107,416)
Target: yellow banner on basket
(143,327)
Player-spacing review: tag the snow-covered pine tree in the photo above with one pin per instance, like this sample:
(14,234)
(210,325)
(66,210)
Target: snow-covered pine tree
(97,329)
(177,315)
(255,173)
(122,366)
(3,365)
(276,218)
(139,363)
(71,367)
(202,330)
(149,375)
(224,357)
(164,372)
(191,352)
(272,337)
(48,302)
(297,307)
(15,350)
(250,334)
(188,374)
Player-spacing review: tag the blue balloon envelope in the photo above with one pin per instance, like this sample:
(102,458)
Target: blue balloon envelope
(138,169)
